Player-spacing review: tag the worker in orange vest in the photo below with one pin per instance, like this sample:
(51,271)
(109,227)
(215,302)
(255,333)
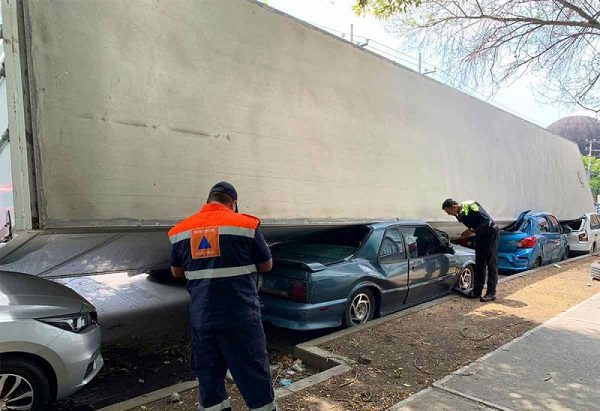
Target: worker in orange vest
(220,252)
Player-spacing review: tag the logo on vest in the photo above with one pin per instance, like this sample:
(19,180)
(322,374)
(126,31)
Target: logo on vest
(204,243)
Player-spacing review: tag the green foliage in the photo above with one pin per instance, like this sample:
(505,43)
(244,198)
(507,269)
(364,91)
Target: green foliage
(594,164)
(383,9)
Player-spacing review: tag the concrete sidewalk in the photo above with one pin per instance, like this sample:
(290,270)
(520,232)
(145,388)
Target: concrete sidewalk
(554,366)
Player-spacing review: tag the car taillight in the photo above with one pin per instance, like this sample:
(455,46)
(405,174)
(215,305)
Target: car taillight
(527,242)
(583,237)
(298,290)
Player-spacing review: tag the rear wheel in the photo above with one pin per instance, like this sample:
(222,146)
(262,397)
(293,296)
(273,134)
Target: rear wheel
(360,308)
(465,279)
(23,386)
(537,263)
(593,249)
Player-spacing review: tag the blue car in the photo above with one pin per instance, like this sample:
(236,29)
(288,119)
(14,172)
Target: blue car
(531,241)
(349,275)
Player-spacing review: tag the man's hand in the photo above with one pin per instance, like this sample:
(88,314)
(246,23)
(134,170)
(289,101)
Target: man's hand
(265,267)
(178,272)
(467,233)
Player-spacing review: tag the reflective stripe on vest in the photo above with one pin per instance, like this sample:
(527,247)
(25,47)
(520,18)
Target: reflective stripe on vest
(223,230)
(220,272)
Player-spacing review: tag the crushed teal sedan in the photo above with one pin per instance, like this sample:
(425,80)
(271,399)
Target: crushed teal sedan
(349,275)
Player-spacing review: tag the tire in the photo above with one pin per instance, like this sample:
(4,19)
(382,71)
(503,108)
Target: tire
(466,279)
(593,249)
(360,308)
(565,254)
(537,263)
(26,377)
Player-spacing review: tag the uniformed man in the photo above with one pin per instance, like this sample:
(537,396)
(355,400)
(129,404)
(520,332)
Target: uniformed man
(480,224)
(220,252)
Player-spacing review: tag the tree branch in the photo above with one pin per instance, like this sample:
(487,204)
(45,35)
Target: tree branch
(579,11)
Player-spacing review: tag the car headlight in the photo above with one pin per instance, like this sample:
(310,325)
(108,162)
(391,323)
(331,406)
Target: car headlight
(74,322)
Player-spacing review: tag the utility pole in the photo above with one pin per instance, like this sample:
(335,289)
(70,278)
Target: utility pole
(590,150)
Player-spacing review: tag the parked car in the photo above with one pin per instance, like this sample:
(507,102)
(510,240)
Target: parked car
(349,275)
(582,233)
(531,241)
(49,342)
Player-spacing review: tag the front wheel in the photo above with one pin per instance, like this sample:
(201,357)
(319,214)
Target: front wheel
(23,386)
(566,254)
(466,279)
(360,308)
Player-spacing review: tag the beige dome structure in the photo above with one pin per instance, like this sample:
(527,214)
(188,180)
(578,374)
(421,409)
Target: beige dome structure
(579,129)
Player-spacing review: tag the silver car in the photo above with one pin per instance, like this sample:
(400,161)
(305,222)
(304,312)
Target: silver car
(49,342)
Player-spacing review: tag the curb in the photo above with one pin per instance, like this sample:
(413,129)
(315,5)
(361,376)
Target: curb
(151,396)
(315,357)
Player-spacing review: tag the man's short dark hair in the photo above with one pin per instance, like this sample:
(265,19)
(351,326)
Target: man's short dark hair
(220,198)
(448,203)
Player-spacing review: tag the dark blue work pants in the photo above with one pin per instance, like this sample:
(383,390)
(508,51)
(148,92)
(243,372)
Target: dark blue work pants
(242,350)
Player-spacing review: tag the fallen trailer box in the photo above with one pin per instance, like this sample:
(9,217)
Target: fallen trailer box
(123,114)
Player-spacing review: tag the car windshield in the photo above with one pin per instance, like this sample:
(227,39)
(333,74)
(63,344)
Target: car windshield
(325,247)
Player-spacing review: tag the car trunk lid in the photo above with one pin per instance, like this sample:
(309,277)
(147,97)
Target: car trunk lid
(509,241)
(295,261)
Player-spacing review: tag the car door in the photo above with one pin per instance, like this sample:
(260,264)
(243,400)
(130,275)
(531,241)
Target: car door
(394,266)
(547,244)
(429,266)
(555,237)
(594,229)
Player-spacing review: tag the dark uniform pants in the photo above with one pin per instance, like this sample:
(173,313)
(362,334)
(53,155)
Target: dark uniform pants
(242,350)
(486,257)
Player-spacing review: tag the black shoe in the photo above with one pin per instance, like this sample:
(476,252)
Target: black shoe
(488,298)
(472,295)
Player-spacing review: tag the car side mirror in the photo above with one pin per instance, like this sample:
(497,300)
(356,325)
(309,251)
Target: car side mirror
(450,249)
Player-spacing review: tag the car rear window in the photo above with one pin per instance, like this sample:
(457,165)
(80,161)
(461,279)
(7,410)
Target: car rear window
(575,225)
(325,247)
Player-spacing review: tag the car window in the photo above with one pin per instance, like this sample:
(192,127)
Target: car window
(543,223)
(392,244)
(595,222)
(421,241)
(553,228)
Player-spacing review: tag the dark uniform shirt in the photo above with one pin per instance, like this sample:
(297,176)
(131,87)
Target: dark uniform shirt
(219,250)
(475,217)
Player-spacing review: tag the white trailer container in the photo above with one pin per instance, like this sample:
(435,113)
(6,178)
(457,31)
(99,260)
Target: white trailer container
(123,114)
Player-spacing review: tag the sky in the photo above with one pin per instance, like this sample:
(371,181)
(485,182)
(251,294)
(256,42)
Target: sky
(337,16)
